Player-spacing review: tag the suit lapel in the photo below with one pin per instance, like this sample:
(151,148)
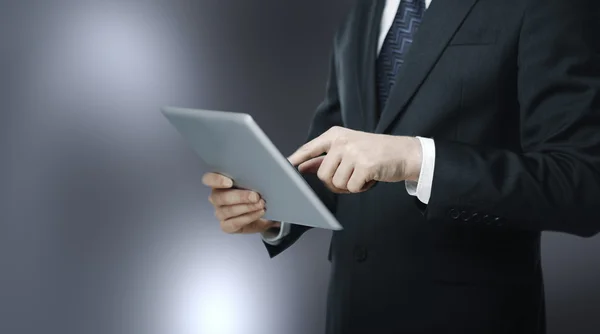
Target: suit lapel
(440,22)
(367,51)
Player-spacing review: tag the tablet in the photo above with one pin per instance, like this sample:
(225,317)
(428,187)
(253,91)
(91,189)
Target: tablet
(233,144)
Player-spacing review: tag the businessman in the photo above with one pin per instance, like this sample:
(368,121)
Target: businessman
(452,133)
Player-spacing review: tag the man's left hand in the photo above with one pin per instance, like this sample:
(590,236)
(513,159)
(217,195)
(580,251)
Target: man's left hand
(355,160)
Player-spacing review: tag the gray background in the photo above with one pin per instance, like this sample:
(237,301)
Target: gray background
(105,227)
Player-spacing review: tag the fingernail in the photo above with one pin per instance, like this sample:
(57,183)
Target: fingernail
(254,197)
(228,183)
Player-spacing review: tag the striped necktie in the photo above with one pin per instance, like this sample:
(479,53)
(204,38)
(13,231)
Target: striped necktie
(395,46)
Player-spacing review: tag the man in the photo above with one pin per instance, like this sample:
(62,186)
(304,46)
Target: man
(491,121)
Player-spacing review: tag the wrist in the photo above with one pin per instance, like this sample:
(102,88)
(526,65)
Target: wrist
(413,159)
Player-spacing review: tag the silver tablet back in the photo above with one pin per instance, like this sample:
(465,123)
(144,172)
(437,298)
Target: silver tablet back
(233,144)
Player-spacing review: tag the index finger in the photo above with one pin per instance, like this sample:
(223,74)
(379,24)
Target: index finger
(312,149)
(217,181)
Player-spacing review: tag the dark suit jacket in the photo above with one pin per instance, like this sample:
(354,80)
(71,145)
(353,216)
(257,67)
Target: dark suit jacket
(510,92)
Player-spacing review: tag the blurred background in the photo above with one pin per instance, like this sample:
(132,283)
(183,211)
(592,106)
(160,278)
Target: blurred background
(104,223)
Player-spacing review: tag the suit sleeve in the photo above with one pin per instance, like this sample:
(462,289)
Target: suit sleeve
(327,115)
(553,184)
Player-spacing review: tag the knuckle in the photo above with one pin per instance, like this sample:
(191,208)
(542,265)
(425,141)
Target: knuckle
(341,140)
(252,196)
(257,206)
(365,164)
(231,197)
(217,198)
(354,185)
(249,208)
(362,176)
(235,225)
(353,188)
(321,174)
(337,182)
(354,150)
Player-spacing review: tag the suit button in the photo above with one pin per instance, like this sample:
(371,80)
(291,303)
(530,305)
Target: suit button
(498,221)
(465,216)
(476,217)
(360,254)
(487,219)
(454,214)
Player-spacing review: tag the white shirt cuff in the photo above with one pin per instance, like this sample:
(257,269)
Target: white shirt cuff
(422,187)
(275,238)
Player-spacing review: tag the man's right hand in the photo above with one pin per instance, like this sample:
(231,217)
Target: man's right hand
(238,210)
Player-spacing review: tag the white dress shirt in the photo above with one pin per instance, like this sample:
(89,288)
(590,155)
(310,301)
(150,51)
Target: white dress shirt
(421,188)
